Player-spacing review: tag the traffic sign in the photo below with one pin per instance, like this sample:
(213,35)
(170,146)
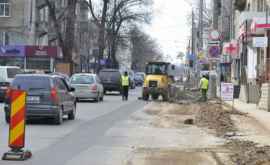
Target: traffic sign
(17,127)
(214,52)
(214,35)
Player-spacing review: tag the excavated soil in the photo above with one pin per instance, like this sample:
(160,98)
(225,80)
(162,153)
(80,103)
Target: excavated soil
(216,118)
(171,115)
(221,120)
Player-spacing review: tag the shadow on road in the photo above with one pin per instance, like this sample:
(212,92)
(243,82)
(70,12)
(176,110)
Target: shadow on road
(45,121)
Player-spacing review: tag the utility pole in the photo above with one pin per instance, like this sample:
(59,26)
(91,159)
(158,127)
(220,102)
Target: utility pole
(192,35)
(201,23)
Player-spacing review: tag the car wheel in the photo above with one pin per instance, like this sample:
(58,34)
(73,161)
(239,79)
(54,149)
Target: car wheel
(7,119)
(96,99)
(71,115)
(59,117)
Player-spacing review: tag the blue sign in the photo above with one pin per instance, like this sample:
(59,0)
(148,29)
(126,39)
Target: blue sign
(214,52)
(102,61)
(191,57)
(12,51)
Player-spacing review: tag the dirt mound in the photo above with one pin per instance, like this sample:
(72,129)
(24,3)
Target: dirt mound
(214,117)
(249,153)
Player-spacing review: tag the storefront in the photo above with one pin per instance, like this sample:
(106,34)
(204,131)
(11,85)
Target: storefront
(12,56)
(260,29)
(41,57)
(29,57)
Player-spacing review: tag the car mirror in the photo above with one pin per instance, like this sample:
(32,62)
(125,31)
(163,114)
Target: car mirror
(71,89)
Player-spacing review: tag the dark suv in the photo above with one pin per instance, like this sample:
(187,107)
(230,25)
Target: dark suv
(48,96)
(111,79)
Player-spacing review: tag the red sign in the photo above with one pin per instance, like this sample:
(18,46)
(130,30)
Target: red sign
(231,48)
(41,51)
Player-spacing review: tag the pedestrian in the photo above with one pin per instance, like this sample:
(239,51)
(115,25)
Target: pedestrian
(125,86)
(204,87)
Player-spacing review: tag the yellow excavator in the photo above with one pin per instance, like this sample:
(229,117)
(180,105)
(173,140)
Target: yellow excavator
(157,81)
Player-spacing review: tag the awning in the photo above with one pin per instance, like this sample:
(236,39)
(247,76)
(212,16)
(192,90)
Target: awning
(259,25)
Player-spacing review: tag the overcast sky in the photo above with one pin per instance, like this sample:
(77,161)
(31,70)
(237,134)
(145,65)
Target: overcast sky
(169,25)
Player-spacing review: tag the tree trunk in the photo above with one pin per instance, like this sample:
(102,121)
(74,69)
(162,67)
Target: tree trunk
(113,53)
(70,34)
(66,40)
(101,37)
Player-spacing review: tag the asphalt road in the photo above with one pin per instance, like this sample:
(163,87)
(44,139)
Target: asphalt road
(67,143)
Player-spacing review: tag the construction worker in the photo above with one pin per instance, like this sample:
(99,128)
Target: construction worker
(125,86)
(204,87)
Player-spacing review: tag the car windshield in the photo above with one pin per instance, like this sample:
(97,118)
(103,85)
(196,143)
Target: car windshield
(156,69)
(30,83)
(82,79)
(109,74)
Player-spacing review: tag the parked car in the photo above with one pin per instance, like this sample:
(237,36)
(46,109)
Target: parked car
(87,86)
(139,78)
(7,74)
(111,80)
(48,96)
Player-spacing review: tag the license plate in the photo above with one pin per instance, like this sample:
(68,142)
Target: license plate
(3,88)
(33,99)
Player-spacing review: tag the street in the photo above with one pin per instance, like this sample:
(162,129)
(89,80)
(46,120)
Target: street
(136,132)
(52,144)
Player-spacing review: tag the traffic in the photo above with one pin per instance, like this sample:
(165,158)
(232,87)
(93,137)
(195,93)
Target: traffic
(55,95)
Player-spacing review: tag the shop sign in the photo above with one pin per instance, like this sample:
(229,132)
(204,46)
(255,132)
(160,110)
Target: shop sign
(41,51)
(260,42)
(12,51)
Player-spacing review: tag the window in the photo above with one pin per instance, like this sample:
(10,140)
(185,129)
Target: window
(4,8)
(60,84)
(82,79)
(31,83)
(12,72)
(4,38)
(261,5)
(63,3)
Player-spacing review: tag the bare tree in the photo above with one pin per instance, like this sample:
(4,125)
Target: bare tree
(67,17)
(144,49)
(99,18)
(122,14)
(110,16)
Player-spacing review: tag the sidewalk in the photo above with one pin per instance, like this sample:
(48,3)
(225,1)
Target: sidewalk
(263,117)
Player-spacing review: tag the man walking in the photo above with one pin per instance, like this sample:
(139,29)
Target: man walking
(204,87)
(125,86)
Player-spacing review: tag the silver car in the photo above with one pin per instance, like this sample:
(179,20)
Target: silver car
(87,86)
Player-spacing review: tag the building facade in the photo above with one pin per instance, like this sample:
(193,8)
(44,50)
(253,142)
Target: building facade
(26,24)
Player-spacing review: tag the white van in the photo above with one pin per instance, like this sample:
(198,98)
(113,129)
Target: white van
(7,74)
